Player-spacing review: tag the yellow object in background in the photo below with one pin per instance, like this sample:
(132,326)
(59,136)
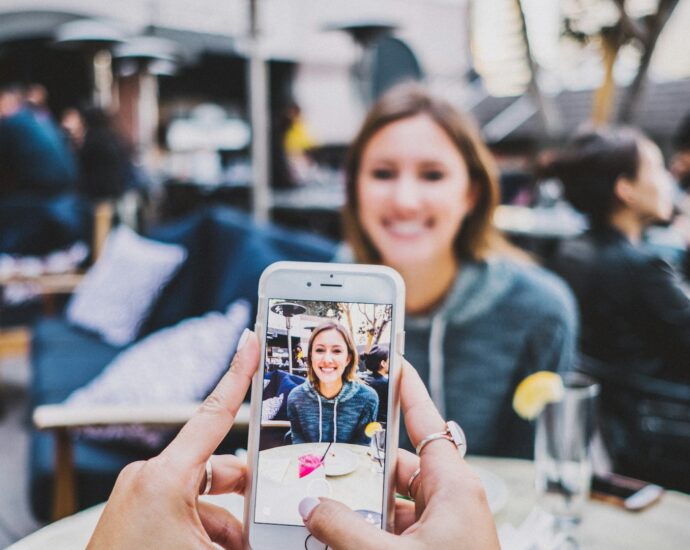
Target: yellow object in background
(535,391)
(297,138)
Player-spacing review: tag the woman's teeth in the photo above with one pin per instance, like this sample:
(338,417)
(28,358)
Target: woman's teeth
(407,229)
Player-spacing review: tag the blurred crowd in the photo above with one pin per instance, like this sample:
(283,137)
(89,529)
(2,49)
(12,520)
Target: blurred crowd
(51,171)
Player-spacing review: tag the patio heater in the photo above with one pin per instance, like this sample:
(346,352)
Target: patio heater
(383,60)
(96,38)
(288,310)
(148,57)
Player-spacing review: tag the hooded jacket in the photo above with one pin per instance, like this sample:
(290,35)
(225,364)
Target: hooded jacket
(501,321)
(342,419)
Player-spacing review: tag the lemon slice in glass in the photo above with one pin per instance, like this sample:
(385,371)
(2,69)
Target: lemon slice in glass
(372,428)
(535,391)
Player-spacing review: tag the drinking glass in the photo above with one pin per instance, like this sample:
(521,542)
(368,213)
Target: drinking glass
(378,449)
(562,449)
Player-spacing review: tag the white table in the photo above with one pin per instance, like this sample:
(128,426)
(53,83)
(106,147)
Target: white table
(664,526)
(280,490)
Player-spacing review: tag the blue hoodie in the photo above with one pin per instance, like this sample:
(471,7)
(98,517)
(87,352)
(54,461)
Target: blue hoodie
(313,418)
(501,321)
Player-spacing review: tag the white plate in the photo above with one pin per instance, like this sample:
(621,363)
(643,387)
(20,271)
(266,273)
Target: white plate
(341,462)
(496,489)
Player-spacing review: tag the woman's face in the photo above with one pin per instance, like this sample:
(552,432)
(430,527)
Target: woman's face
(329,356)
(413,192)
(652,190)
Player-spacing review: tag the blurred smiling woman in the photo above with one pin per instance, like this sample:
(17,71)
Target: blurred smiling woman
(422,189)
(331,405)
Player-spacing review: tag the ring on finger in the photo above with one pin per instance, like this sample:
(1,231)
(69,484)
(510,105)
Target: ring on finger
(209,478)
(411,481)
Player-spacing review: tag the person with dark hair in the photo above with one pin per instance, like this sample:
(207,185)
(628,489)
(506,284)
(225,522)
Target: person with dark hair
(633,307)
(332,405)
(635,312)
(34,156)
(105,157)
(422,190)
(376,363)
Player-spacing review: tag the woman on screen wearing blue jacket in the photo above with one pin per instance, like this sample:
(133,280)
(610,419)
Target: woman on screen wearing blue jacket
(331,405)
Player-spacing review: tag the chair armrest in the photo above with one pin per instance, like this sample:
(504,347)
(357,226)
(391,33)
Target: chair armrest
(53,417)
(63,283)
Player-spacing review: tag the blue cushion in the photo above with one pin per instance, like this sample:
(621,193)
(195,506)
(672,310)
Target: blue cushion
(64,358)
(182,297)
(240,252)
(34,225)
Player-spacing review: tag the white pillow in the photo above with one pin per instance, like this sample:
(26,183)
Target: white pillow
(270,407)
(120,289)
(179,364)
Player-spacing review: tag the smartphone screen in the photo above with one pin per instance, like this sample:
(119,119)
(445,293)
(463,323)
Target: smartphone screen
(324,408)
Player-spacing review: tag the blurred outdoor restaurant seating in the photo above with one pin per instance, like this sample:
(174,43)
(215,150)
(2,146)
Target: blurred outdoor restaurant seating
(209,187)
(226,255)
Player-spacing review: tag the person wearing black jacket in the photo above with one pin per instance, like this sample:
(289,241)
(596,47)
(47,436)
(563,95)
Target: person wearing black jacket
(634,307)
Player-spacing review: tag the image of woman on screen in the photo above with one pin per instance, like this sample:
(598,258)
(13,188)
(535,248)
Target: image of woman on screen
(331,405)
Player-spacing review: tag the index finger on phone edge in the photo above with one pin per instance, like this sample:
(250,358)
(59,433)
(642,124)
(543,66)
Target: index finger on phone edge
(209,425)
(422,419)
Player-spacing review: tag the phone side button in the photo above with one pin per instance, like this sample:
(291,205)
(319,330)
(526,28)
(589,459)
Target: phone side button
(312,543)
(401,342)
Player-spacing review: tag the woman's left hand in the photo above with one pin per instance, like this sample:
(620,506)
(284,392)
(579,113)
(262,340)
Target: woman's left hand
(155,503)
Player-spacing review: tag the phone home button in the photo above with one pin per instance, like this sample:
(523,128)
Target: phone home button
(312,543)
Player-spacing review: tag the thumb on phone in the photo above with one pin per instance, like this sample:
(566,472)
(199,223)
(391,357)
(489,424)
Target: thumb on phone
(339,527)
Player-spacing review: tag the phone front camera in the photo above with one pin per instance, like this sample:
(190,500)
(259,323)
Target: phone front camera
(308,284)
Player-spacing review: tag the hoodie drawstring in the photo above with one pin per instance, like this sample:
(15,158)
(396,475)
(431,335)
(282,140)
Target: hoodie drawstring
(320,418)
(436,336)
(335,420)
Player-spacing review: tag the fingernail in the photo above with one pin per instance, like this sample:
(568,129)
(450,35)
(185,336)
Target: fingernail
(306,506)
(243,339)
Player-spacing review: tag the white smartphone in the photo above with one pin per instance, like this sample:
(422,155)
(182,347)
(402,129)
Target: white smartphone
(324,410)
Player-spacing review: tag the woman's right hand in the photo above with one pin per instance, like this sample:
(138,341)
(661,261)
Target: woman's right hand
(450,508)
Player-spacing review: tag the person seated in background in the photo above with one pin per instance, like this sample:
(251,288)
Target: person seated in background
(40,211)
(106,167)
(422,189)
(635,312)
(331,405)
(34,156)
(634,309)
(376,363)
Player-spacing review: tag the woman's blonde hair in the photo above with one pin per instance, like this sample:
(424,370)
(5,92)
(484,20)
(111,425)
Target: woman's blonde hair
(477,237)
(349,373)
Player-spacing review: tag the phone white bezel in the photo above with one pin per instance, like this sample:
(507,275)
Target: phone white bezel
(330,282)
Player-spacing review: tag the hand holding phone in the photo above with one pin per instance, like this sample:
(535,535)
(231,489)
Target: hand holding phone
(451,510)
